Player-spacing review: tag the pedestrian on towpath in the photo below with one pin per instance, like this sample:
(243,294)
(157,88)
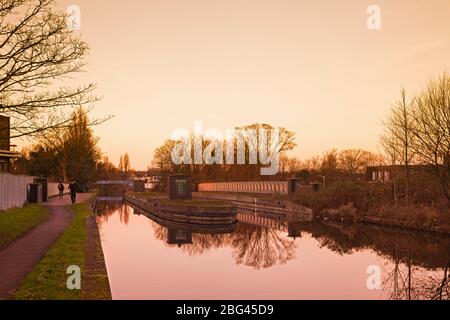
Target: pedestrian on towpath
(73,191)
(61,189)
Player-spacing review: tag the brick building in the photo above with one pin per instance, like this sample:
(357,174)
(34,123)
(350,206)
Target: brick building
(390,172)
(5,145)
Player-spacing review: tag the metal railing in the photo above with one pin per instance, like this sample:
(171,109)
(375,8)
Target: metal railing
(264,187)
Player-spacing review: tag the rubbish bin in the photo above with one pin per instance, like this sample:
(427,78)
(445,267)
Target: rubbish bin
(44,183)
(34,193)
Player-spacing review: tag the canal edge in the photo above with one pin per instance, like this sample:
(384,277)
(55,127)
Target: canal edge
(96,284)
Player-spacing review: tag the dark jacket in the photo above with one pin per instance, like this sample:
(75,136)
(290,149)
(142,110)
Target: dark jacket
(73,188)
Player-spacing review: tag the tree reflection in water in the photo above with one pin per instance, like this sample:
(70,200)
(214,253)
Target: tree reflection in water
(253,246)
(405,281)
(105,209)
(415,265)
(261,247)
(201,243)
(124,214)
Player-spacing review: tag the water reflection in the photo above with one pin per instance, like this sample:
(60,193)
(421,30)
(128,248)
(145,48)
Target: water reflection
(106,208)
(261,247)
(415,266)
(254,246)
(410,257)
(178,233)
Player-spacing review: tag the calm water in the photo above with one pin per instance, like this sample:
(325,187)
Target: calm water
(263,257)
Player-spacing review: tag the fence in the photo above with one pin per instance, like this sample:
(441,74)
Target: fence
(266,187)
(13,190)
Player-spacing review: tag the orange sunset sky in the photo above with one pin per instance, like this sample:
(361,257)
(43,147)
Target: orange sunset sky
(310,66)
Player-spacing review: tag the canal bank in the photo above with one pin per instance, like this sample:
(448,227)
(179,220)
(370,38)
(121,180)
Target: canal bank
(196,211)
(280,205)
(96,283)
(78,247)
(402,218)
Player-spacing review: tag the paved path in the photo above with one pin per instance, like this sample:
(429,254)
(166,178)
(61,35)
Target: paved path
(19,258)
(81,197)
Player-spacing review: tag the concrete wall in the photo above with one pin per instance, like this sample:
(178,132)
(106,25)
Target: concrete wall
(13,190)
(265,187)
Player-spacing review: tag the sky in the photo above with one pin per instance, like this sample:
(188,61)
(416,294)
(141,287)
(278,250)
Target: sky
(312,67)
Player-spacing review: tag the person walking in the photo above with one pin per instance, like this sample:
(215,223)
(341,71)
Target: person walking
(61,189)
(73,191)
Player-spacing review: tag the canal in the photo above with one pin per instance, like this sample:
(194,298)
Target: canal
(265,257)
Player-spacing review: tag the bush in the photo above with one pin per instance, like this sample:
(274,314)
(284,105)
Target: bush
(340,193)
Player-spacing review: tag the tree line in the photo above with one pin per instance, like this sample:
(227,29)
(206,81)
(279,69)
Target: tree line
(63,154)
(417,131)
(223,170)
(333,162)
(71,153)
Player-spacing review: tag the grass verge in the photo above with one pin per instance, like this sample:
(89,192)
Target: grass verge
(48,279)
(95,284)
(14,223)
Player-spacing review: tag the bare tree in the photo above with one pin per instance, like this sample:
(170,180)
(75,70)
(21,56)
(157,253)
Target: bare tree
(398,136)
(313,163)
(126,162)
(329,161)
(56,139)
(37,53)
(293,165)
(420,131)
(431,131)
(121,163)
(357,160)
(243,144)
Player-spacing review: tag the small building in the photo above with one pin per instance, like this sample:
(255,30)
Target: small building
(390,172)
(180,187)
(298,186)
(138,185)
(179,236)
(152,181)
(5,145)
